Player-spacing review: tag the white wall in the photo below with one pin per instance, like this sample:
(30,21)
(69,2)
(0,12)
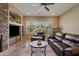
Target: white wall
(69,21)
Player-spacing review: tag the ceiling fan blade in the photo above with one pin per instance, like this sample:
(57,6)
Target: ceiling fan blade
(50,3)
(47,8)
(47,3)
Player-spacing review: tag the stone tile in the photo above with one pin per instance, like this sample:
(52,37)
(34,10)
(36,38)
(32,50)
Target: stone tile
(23,49)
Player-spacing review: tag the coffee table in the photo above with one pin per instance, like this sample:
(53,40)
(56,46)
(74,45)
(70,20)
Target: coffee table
(37,47)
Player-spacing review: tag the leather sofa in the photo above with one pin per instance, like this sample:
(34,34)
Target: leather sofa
(64,44)
(38,35)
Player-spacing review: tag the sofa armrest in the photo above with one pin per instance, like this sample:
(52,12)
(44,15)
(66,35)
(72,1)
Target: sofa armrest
(68,52)
(71,51)
(75,51)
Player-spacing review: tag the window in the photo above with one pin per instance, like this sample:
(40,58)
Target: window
(36,26)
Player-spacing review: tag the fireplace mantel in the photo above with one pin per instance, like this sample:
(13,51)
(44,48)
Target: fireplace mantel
(14,23)
(15,19)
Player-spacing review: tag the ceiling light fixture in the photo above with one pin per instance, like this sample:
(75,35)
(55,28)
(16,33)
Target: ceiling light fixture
(35,5)
(29,13)
(53,14)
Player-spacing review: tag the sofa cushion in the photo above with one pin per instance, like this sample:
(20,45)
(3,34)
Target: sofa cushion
(53,40)
(70,37)
(67,42)
(73,38)
(61,46)
(77,40)
(59,36)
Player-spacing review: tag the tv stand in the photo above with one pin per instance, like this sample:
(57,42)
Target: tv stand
(15,19)
(14,40)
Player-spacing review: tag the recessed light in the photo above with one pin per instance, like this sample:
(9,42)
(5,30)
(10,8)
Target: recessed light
(53,14)
(29,13)
(35,5)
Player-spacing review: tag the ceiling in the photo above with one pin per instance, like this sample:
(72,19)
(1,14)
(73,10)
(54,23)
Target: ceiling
(34,9)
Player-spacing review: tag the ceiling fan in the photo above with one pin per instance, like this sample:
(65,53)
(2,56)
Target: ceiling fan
(46,4)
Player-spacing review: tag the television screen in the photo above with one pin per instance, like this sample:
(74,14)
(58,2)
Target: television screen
(13,30)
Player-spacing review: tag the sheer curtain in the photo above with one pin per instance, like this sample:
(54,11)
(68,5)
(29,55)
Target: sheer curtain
(33,26)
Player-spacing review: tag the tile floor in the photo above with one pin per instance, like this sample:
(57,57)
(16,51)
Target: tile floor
(23,49)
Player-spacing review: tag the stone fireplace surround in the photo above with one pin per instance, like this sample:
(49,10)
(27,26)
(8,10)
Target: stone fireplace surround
(4,27)
(4,24)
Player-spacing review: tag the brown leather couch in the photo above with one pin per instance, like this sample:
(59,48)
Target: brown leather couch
(64,44)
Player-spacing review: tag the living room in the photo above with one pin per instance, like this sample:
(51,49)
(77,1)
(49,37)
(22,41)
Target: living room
(25,24)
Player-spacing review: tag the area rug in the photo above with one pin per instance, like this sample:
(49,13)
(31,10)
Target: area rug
(24,49)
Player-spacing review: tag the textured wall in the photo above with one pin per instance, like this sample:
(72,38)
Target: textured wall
(4,24)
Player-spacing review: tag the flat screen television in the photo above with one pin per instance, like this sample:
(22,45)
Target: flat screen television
(13,31)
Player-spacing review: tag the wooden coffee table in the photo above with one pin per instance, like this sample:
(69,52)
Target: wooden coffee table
(37,47)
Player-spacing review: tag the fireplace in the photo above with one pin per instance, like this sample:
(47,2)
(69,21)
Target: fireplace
(14,31)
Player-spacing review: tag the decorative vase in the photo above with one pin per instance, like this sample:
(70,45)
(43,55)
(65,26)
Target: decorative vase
(39,42)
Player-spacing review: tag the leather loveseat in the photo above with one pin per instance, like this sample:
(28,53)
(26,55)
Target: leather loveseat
(64,44)
(38,35)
